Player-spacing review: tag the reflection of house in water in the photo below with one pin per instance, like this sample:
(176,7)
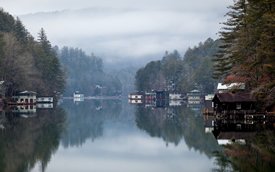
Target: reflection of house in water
(44,105)
(194,100)
(24,110)
(78,97)
(159,98)
(229,131)
(136,98)
(175,96)
(209,122)
(175,102)
(2,120)
(150,99)
(2,89)
(225,138)
(162,99)
(24,98)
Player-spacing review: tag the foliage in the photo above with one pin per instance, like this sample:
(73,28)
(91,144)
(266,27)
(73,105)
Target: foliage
(175,124)
(33,141)
(176,73)
(260,149)
(248,45)
(85,74)
(26,64)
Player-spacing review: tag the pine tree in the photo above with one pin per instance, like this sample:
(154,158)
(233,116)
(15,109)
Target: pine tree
(224,61)
(21,32)
(48,64)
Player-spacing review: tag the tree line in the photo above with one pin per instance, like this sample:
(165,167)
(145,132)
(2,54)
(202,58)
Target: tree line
(179,73)
(26,63)
(85,73)
(36,65)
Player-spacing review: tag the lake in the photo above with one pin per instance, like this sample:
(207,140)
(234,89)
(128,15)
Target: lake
(111,135)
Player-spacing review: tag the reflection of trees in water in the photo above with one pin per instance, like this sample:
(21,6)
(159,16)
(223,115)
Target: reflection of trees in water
(158,123)
(174,124)
(85,120)
(26,142)
(257,155)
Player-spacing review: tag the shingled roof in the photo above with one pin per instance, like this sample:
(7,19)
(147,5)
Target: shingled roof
(234,97)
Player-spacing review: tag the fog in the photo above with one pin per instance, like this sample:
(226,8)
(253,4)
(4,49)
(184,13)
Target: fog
(122,29)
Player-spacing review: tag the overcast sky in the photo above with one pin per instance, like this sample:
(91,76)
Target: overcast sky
(122,28)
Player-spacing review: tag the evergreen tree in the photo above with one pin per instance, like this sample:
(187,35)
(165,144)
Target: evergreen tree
(227,54)
(247,52)
(21,32)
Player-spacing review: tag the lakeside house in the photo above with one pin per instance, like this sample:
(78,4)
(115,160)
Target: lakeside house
(24,98)
(234,103)
(44,100)
(175,96)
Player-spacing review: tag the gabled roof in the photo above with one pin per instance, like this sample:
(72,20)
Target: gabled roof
(27,93)
(234,97)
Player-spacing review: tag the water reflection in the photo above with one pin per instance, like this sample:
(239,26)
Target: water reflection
(85,120)
(106,135)
(175,124)
(26,141)
(249,143)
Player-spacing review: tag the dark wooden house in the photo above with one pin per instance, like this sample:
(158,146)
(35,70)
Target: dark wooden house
(234,102)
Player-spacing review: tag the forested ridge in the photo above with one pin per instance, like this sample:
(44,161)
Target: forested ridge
(36,65)
(26,63)
(181,73)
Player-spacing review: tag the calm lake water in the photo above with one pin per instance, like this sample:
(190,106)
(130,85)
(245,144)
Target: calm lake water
(108,136)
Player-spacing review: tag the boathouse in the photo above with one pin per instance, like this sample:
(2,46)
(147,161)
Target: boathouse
(234,102)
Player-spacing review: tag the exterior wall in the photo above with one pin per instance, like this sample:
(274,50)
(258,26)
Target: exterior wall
(44,99)
(25,99)
(45,105)
(175,103)
(25,109)
(174,96)
(135,96)
(78,95)
(136,101)
(194,99)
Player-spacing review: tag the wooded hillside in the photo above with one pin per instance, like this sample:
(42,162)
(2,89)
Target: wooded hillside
(247,53)
(183,74)
(26,63)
